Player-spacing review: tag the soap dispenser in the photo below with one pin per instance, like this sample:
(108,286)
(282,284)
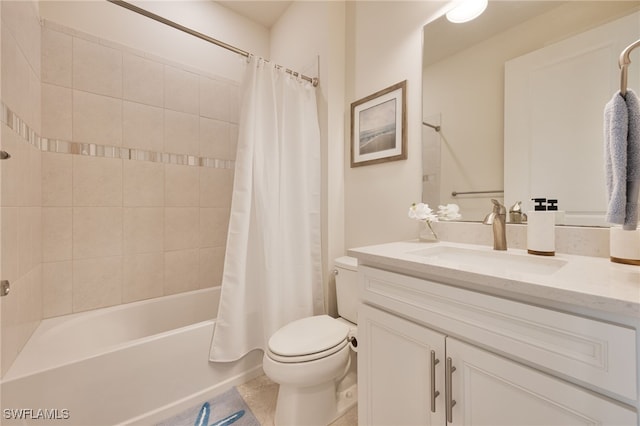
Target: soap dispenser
(541,238)
(553,206)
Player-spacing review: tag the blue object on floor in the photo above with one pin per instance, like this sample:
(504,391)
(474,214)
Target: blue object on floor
(223,410)
(203,415)
(230,419)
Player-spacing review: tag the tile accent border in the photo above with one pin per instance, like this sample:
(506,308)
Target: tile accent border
(20,127)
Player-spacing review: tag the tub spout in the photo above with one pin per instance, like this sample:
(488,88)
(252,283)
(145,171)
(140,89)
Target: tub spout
(498,219)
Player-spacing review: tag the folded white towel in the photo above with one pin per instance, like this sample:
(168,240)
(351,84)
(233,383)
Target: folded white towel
(622,158)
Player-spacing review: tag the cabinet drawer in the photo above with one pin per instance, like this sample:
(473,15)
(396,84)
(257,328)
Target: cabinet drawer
(590,351)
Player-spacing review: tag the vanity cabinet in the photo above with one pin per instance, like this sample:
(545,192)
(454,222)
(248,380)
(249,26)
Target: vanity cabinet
(431,353)
(400,371)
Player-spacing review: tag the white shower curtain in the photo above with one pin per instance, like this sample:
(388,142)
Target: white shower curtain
(272,269)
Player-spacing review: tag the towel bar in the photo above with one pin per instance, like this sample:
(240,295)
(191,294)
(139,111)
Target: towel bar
(456,193)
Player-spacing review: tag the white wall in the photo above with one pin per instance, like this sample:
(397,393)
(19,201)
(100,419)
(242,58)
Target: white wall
(384,45)
(111,22)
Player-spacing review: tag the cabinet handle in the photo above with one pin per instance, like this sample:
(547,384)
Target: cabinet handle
(434,392)
(449,401)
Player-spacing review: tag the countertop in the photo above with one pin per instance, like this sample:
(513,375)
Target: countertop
(581,281)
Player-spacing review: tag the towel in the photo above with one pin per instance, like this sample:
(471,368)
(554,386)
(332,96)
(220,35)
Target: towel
(622,159)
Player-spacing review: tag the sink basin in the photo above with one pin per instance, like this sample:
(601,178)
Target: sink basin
(489,260)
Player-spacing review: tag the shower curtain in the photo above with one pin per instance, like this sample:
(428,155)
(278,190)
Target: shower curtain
(272,269)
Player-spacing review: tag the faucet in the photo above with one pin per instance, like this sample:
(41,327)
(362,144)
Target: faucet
(498,218)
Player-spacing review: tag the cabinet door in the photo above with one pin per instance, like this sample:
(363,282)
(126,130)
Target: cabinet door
(491,390)
(396,379)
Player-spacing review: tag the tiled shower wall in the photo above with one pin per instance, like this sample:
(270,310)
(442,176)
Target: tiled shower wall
(20,196)
(119,185)
(145,214)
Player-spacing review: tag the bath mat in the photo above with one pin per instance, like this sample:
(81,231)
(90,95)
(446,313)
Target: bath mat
(226,409)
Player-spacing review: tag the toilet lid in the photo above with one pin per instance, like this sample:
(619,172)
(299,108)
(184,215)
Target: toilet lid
(307,336)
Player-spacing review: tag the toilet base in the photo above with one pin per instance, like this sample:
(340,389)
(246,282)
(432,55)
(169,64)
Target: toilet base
(295,408)
(310,406)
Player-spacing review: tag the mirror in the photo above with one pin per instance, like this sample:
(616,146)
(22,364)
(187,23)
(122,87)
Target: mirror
(543,61)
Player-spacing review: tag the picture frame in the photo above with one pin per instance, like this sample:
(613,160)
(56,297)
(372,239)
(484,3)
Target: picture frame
(378,127)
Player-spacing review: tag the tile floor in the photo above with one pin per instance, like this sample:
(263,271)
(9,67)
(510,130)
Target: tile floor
(261,393)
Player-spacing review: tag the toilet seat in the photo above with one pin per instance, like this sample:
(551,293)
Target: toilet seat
(308,339)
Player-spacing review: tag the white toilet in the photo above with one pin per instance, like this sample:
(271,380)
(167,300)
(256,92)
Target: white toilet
(311,359)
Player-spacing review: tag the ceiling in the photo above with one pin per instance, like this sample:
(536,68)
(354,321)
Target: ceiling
(264,12)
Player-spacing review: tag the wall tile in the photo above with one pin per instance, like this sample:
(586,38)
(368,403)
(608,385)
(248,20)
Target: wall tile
(180,90)
(9,239)
(57,289)
(181,271)
(143,127)
(22,160)
(181,185)
(97,181)
(143,230)
(214,223)
(34,101)
(97,119)
(10,331)
(24,241)
(143,80)
(97,283)
(181,132)
(211,267)
(143,277)
(56,234)
(34,183)
(13,172)
(97,232)
(143,183)
(57,179)
(15,73)
(215,138)
(215,97)
(57,121)
(97,68)
(181,228)
(216,186)
(22,19)
(35,214)
(29,294)
(9,67)
(57,57)
(113,230)
(35,298)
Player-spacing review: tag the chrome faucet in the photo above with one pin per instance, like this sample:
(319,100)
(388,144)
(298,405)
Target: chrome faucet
(498,218)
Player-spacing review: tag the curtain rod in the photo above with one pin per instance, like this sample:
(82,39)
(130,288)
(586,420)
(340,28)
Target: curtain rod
(313,80)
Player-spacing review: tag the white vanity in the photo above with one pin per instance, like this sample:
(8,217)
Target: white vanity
(461,334)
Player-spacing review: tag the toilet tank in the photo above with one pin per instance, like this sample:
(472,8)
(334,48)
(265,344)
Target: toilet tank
(346,269)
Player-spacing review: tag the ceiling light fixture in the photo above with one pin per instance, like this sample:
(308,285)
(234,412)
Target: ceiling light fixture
(467,10)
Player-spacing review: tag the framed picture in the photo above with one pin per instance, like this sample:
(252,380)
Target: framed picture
(378,127)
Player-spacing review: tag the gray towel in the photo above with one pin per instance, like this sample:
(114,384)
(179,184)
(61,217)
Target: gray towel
(622,159)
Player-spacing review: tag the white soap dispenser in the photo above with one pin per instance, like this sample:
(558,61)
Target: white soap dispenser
(553,206)
(541,237)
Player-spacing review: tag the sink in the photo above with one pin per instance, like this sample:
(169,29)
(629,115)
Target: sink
(489,260)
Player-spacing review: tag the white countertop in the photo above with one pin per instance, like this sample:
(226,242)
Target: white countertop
(581,281)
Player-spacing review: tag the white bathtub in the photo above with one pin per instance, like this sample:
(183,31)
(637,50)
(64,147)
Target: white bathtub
(128,364)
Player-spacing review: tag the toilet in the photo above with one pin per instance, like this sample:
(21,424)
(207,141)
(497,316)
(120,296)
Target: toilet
(313,359)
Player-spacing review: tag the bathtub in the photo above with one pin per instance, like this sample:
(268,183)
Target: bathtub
(129,364)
